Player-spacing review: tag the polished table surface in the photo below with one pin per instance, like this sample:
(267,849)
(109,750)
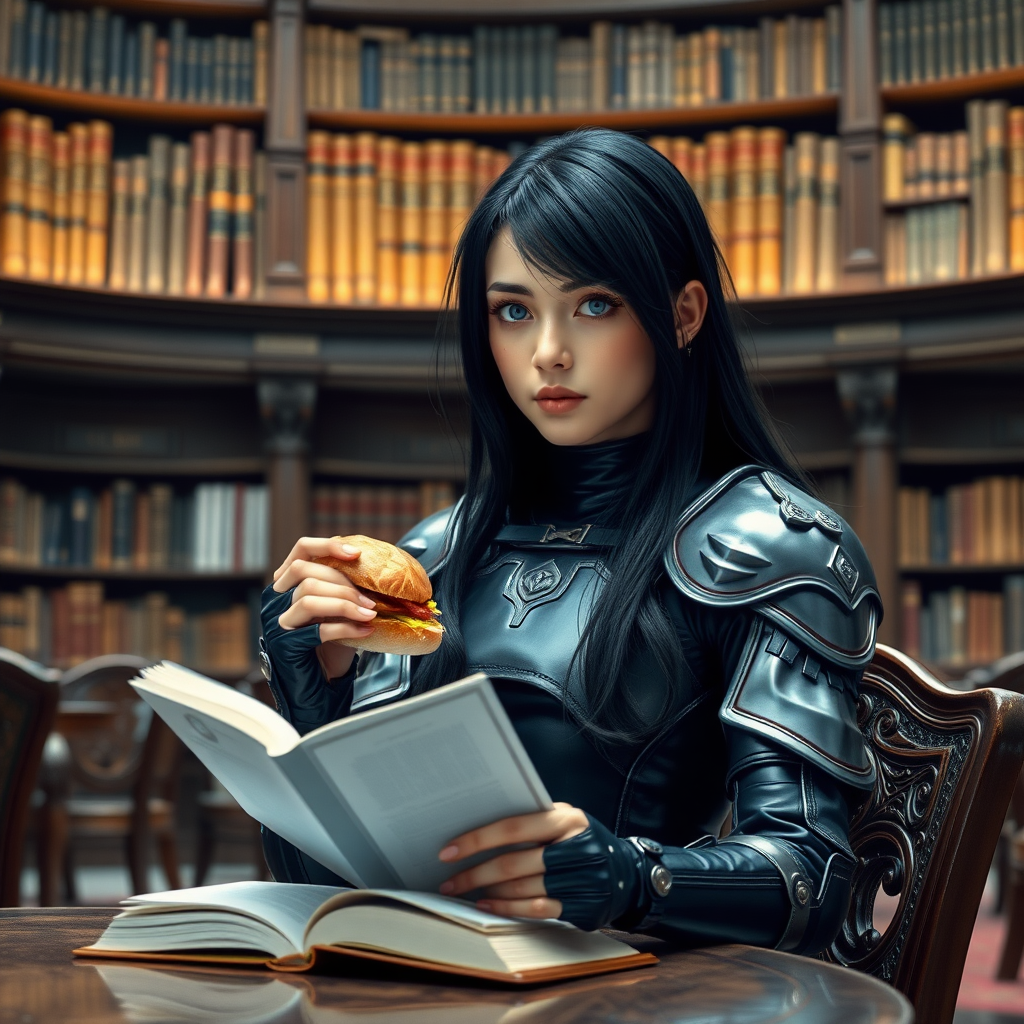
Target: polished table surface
(40,982)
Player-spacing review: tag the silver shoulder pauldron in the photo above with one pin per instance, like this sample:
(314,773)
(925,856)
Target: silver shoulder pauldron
(758,541)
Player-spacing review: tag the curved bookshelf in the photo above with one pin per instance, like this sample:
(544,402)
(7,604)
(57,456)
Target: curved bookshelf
(962,87)
(769,110)
(463,10)
(99,104)
(190,8)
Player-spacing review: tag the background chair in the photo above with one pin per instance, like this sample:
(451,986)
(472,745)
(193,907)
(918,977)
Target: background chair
(28,704)
(946,763)
(120,781)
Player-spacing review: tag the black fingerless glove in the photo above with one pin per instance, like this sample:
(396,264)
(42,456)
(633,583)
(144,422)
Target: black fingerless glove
(296,678)
(598,877)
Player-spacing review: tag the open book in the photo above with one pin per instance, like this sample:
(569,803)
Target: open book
(375,796)
(292,927)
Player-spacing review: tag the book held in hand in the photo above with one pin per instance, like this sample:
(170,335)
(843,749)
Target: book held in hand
(293,928)
(375,796)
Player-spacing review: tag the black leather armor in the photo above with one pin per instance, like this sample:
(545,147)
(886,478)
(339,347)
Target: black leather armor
(775,606)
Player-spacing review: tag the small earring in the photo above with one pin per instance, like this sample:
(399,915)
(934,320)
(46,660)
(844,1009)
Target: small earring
(687,344)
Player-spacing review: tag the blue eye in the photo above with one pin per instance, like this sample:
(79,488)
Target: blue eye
(595,307)
(514,311)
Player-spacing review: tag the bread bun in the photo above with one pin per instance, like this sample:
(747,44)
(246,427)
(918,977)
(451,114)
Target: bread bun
(392,636)
(382,568)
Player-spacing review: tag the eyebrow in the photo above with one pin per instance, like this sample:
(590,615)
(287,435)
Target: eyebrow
(521,289)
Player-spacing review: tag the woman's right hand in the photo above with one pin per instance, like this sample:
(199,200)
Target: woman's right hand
(326,596)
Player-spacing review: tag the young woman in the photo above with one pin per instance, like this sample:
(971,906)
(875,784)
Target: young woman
(671,621)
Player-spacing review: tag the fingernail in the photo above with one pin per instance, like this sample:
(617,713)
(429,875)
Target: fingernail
(367,613)
(484,905)
(449,853)
(447,887)
(349,550)
(362,629)
(366,602)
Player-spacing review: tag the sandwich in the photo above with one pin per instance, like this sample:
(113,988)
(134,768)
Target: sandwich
(407,618)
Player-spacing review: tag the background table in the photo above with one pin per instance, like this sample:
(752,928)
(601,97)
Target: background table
(40,982)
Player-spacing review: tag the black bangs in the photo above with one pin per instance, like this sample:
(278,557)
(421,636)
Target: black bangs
(601,207)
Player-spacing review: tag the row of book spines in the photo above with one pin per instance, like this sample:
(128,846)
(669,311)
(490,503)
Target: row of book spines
(980,523)
(376,511)
(960,626)
(529,69)
(64,627)
(924,165)
(99,53)
(384,215)
(923,42)
(179,220)
(122,528)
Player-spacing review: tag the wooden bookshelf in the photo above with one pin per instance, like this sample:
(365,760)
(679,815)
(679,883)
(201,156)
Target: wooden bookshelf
(836,368)
(15,92)
(655,119)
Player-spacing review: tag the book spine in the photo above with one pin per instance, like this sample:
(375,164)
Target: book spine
(387,220)
(14,142)
(191,70)
(972,40)
(206,52)
(446,74)
(805,212)
(995,186)
(717,201)
(178,32)
(14,48)
(976,144)
(527,49)
(61,206)
(156,214)
(98,210)
(147,59)
(260,58)
(944,39)
(548,39)
(317,221)
(369,85)
(219,217)
(259,226)
(460,189)
(195,262)
(436,232)
(96,57)
(986,32)
(1004,39)
(39,198)
(1017,31)
(481,82)
(411,262)
(743,210)
(115,55)
(828,216)
(130,77)
(137,223)
(220,71)
(161,68)
(233,82)
(600,64)
(895,129)
(243,215)
(34,41)
(177,220)
(48,73)
(117,279)
(342,214)
(770,147)
(1015,141)
(365,218)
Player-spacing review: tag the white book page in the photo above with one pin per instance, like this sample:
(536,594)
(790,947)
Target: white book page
(284,906)
(238,757)
(420,772)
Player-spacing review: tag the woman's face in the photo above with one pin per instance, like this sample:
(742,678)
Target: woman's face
(575,360)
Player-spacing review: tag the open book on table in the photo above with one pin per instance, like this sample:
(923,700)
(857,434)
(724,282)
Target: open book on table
(374,796)
(298,927)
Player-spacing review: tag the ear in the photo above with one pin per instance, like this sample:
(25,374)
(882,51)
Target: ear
(690,307)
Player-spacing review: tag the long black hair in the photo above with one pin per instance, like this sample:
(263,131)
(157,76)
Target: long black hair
(601,207)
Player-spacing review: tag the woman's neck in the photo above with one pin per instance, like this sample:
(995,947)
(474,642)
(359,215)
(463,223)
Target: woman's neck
(581,483)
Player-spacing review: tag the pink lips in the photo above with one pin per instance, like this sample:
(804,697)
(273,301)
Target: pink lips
(558,400)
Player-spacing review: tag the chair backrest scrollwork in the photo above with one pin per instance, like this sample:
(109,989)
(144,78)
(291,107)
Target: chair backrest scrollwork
(946,763)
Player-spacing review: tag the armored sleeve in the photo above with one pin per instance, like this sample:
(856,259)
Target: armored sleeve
(793,582)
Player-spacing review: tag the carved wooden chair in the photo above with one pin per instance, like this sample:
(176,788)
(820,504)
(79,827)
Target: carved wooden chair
(28,704)
(946,763)
(119,781)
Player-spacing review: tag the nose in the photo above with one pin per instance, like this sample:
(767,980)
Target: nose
(551,353)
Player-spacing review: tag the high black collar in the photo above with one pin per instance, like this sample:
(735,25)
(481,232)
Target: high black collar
(580,483)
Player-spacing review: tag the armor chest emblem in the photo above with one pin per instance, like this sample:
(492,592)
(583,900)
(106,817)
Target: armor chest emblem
(527,588)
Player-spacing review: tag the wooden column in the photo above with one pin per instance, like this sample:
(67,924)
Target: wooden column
(860,172)
(868,396)
(286,406)
(285,144)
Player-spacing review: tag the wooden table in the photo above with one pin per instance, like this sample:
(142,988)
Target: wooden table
(41,982)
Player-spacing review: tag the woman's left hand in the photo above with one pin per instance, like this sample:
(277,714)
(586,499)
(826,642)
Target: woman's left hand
(513,883)
(580,871)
